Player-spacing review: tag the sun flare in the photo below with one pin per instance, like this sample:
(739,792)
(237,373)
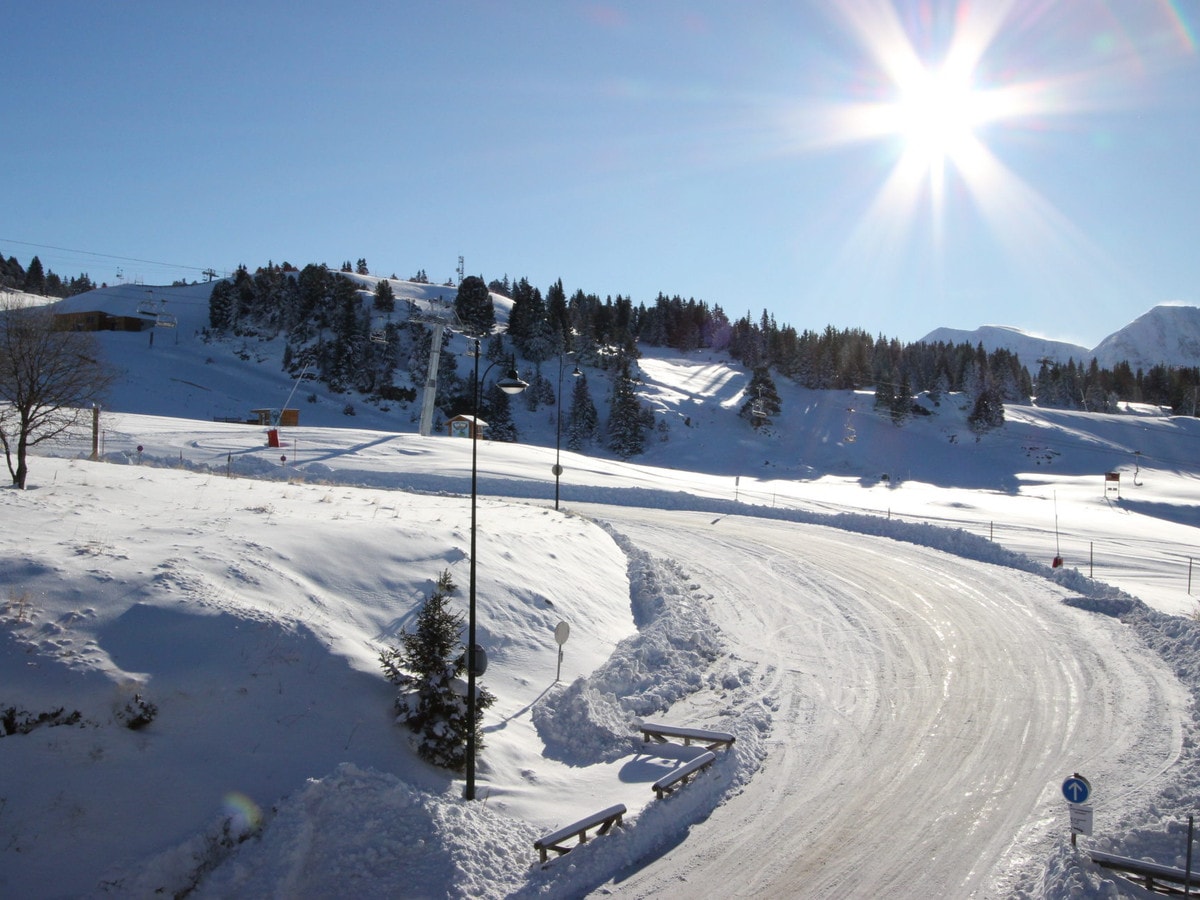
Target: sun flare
(936,116)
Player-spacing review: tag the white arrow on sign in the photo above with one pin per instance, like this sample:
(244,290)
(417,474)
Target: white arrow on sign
(1076,789)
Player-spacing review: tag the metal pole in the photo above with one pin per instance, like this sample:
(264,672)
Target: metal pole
(469,794)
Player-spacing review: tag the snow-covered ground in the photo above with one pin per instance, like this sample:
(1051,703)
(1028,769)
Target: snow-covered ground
(908,679)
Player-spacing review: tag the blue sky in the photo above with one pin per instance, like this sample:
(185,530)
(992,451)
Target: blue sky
(889,166)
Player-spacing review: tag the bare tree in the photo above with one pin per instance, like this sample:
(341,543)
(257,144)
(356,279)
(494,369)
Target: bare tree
(49,381)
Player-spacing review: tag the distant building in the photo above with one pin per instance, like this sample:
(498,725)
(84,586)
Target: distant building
(95,320)
(273,417)
(460,426)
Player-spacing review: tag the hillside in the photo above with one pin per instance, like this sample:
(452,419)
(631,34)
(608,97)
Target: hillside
(181,371)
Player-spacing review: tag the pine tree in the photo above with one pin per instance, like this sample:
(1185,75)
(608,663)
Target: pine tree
(584,422)
(428,667)
(988,411)
(385,297)
(626,419)
(473,304)
(220,306)
(762,398)
(497,412)
(35,278)
(901,407)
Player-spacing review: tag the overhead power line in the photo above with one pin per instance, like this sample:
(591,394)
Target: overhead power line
(203,270)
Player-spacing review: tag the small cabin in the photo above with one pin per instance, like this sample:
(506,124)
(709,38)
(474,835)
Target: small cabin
(461,426)
(273,417)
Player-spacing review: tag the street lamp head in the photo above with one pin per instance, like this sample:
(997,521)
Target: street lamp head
(512,383)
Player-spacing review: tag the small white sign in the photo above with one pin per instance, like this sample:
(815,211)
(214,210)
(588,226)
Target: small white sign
(1081,818)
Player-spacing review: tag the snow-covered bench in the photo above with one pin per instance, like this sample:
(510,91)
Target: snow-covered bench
(670,781)
(605,819)
(663,733)
(1149,872)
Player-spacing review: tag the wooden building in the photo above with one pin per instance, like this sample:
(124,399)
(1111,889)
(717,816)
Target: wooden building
(460,426)
(96,320)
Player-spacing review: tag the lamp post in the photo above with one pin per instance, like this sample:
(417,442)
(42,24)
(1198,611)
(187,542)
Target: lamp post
(511,384)
(558,425)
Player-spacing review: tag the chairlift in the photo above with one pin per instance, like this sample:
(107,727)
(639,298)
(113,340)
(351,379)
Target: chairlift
(378,336)
(148,306)
(165,320)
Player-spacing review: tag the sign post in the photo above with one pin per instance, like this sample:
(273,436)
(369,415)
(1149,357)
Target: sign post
(561,632)
(1077,790)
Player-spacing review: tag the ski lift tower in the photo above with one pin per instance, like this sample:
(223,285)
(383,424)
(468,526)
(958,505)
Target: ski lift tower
(438,315)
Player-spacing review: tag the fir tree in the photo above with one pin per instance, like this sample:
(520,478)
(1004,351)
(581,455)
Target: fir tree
(762,398)
(385,297)
(35,278)
(584,422)
(988,411)
(902,402)
(473,304)
(220,306)
(428,667)
(626,419)
(497,412)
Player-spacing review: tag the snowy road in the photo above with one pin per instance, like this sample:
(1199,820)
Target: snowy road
(926,710)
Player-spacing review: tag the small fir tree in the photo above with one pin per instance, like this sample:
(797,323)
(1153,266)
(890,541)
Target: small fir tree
(428,669)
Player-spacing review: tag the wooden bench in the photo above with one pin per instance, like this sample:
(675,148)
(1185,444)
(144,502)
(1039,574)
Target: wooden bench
(1148,872)
(670,781)
(662,733)
(605,819)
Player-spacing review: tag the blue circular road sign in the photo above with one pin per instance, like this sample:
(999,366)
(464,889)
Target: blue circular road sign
(1076,789)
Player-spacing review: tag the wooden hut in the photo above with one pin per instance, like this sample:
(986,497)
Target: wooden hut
(461,426)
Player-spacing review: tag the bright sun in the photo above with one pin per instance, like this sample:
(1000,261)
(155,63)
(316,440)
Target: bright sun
(936,115)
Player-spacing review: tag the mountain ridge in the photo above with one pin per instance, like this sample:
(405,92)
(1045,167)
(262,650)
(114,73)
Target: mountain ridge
(1167,334)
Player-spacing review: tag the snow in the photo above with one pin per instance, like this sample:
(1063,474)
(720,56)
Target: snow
(908,679)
